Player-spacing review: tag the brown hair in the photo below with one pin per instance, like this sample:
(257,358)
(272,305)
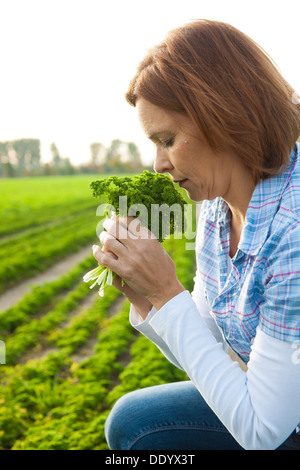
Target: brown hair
(229,87)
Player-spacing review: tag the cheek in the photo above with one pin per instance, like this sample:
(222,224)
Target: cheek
(191,157)
(182,151)
(187,156)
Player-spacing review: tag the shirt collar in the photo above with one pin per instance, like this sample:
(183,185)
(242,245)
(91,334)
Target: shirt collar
(263,206)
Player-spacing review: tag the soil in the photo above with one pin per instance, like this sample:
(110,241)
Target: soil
(15,294)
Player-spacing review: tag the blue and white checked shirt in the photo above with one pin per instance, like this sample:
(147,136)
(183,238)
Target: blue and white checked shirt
(260,286)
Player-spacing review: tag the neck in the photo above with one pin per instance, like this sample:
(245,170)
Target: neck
(239,194)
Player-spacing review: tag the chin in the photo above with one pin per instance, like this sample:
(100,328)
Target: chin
(190,194)
(195,196)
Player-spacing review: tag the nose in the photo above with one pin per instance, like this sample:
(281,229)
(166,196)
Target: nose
(162,163)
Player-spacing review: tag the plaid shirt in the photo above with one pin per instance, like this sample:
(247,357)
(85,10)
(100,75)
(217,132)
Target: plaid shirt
(260,286)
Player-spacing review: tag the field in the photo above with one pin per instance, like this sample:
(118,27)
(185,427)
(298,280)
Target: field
(69,354)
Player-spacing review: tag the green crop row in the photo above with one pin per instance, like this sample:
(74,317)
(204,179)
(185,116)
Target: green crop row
(42,234)
(148,367)
(55,398)
(184,260)
(41,297)
(45,295)
(62,215)
(30,202)
(26,336)
(71,415)
(25,259)
(56,402)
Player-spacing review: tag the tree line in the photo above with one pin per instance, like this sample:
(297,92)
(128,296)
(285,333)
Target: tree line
(22,157)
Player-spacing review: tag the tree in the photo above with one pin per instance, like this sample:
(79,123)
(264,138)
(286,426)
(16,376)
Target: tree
(27,154)
(119,157)
(134,155)
(61,166)
(113,157)
(20,157)
(98,153)
(56,158)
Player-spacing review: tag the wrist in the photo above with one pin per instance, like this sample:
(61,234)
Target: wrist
(142,308)
(159,300)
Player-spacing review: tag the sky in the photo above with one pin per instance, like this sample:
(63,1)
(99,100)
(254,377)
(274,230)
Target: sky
(66,64)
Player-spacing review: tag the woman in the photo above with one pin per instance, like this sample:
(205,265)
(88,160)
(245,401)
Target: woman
(225,123)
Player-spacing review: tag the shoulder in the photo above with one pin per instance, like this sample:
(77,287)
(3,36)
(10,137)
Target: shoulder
(284,229)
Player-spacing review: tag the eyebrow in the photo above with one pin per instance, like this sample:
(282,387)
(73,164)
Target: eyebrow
(155,136)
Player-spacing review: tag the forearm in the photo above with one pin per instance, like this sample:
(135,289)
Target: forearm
(143,326)
(141,322)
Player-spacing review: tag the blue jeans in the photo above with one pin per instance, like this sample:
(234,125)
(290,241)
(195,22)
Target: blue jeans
(170,417)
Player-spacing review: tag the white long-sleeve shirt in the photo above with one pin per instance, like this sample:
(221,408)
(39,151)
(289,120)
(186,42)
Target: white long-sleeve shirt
(259,407)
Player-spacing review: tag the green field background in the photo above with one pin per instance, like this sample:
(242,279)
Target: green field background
(69,354)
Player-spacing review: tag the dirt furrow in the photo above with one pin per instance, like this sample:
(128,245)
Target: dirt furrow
(15,294)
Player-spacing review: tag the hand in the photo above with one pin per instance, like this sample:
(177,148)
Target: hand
(140,303)
(137,257)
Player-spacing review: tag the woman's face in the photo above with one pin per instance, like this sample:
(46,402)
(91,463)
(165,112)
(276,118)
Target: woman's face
(201,171)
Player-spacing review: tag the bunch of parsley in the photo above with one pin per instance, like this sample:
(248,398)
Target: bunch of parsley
(147,189)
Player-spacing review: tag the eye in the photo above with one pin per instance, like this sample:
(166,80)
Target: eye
(168,143)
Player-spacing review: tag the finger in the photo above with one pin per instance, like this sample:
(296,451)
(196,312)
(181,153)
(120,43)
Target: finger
(135,228)
(123,228)
(104,248)
(105,258)
(115,228)
(111,244)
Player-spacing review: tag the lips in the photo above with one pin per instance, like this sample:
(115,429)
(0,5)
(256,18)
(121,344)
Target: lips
(180,182)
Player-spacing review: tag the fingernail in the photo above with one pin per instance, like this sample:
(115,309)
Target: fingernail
(94,247)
